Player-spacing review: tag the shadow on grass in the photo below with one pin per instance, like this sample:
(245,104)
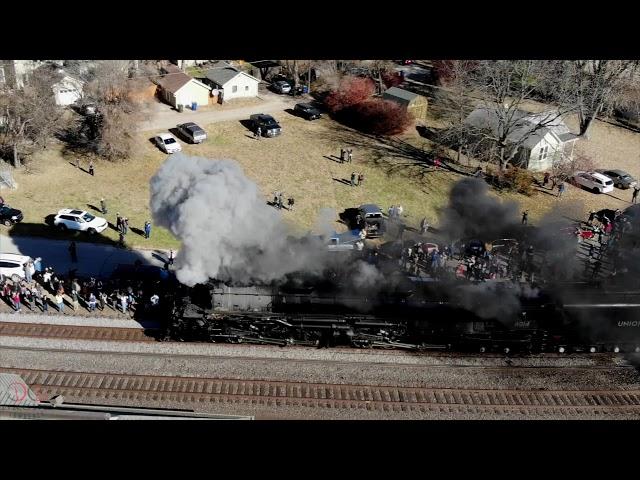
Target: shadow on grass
(344,181)
(94,208)
(333,158)
(137,231)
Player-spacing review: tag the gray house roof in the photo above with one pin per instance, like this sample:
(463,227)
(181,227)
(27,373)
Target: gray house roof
(220,76)
(525,123)
(401,94)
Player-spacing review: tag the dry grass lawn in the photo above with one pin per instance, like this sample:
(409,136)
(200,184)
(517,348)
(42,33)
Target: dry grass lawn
(301,162)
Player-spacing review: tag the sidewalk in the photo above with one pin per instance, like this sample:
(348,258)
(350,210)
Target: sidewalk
(93,259)
(170,118)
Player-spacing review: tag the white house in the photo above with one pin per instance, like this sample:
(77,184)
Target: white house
(232,83)
(178,88)
(67,91)
(541,138)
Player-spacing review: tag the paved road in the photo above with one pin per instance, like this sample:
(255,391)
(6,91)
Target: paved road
(168,118)
(93,259)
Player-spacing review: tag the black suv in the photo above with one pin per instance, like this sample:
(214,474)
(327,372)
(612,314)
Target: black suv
(9,216)
(268,125)
(306,110)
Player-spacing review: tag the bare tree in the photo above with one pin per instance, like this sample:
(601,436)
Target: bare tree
(30,116)
(591,87)
(505,87)
(112,90)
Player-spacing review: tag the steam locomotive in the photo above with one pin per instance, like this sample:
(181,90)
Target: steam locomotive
(414,315)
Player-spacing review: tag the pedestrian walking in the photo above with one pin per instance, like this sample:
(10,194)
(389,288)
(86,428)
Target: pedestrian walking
(37,265)
(59,302)
(437,163)
(125,225)
(124,300)
(103,206)
(74,299)
(592,217)
(118,222)
(1,201)
(170,257)
(73,251)
(360,178)
(634,196)
(561,188)
(290,203)
(525,217)
(103,299)
(258,133)
(545,180)
(78,166)
(349,155)
(91,172)
(147,229)
(343,153)
(280,200)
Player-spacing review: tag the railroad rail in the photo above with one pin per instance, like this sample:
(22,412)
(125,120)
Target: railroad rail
(78,332)
(268,393)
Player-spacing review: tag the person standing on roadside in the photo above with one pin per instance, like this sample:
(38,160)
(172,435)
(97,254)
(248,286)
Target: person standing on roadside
(634,196)
(147,229)
(91,172)
(103,206)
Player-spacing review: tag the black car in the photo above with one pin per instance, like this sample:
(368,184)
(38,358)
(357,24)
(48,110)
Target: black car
(306,110)
(268,125)
(10,216)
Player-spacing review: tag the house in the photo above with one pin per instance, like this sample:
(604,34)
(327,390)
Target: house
(232,83)
(542,139)
(67,90)
(178,88)
(415,104)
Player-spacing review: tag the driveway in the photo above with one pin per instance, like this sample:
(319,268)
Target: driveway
(163,120)
(93,259)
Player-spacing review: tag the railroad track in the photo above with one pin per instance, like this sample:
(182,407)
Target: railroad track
(132,389)
(77,332)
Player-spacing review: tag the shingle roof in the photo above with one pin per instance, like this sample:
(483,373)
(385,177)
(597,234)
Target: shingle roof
(524,123)
(173,82)
(400,93)
(221,76)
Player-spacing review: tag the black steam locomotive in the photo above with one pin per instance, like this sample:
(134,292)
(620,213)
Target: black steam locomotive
(414,315)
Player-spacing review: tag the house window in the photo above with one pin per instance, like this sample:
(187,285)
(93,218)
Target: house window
(234,89)
(246,88)
(544,152)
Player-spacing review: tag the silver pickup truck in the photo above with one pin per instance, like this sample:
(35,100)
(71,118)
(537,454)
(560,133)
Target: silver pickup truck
(192,132)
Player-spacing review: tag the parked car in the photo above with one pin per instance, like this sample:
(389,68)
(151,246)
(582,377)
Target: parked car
(268,124)
(373,219)
(595,182)
(10,216)
(167,143)
(12,266)
(192,132)
(347,241)
(621,179)
(281,86)
(70,219)
(306,110)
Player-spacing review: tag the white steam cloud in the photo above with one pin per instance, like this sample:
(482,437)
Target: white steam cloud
(228,232)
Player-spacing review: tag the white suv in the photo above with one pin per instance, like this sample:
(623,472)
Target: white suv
(167,143)
(79,220)
(596,182)
(11,265)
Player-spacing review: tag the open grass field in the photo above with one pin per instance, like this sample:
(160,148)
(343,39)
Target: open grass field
(302,162)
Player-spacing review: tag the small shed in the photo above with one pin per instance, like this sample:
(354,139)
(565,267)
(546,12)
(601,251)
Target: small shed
(178,88)
(67,90)
(415,104)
